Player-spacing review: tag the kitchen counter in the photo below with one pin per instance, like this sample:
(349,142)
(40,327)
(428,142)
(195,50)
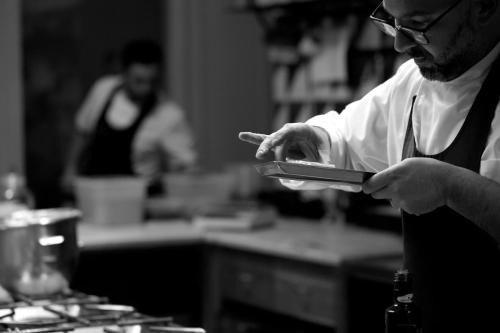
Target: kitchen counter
(101,237)
(296,267)
(311,242)
(289,238)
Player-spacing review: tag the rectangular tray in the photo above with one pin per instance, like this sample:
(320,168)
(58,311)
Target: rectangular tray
(310,171)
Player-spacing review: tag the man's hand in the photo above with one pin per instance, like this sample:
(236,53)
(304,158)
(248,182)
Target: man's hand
(296,141)
(416,185)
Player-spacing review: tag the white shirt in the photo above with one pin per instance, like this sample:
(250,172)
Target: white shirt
(163,133)
(368,134)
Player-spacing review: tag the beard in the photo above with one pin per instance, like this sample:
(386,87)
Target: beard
(452,62)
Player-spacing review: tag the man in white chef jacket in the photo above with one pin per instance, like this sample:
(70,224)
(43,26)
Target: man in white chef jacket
(431,133)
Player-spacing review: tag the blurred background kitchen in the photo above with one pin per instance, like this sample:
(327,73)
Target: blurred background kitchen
(220,247)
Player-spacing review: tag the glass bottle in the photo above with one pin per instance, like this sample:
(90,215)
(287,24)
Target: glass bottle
(403,316)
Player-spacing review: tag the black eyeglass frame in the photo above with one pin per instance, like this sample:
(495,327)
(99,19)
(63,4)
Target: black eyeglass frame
(417,35)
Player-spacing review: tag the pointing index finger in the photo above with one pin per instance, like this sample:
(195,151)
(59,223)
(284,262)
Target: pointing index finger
(254,138)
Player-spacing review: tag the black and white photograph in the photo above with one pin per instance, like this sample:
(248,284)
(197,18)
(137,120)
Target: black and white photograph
(249,166)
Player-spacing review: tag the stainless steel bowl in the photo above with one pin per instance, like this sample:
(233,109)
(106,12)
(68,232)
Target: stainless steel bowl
(38,251)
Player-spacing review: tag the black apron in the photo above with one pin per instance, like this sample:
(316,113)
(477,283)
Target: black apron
(455,264)
(109,150)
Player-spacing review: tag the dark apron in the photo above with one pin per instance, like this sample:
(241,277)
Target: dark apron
(455,264)
(109,150)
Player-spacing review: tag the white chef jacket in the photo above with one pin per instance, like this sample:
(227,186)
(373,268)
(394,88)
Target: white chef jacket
(368,134)
(163,133)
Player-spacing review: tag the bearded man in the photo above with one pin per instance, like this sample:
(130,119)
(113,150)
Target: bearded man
(431,133)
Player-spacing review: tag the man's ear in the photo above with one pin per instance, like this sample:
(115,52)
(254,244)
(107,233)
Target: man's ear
(486,10)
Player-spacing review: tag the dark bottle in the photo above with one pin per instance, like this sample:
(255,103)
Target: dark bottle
(403,316)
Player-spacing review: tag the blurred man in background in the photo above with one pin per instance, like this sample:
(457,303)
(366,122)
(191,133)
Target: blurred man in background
(126,126)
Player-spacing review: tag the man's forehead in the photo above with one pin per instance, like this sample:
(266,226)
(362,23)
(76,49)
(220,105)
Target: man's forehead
(412,8)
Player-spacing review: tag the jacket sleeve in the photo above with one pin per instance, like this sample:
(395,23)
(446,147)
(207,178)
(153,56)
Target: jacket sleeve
(177,140)
(164,143)
(358,136)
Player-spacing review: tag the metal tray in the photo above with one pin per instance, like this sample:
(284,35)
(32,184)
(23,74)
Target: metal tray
(311,171)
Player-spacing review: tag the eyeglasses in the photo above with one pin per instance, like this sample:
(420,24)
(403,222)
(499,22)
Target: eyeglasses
(387,23)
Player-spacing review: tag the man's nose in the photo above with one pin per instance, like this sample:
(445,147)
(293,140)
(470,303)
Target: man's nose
(402,43)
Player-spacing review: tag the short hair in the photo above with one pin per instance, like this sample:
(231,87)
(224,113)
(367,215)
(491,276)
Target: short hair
(141,51)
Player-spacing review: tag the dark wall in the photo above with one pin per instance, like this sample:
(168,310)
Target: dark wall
(66,46)
(107,25)
(220,73)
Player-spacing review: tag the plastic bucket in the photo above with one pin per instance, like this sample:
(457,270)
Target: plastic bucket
(111,200)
